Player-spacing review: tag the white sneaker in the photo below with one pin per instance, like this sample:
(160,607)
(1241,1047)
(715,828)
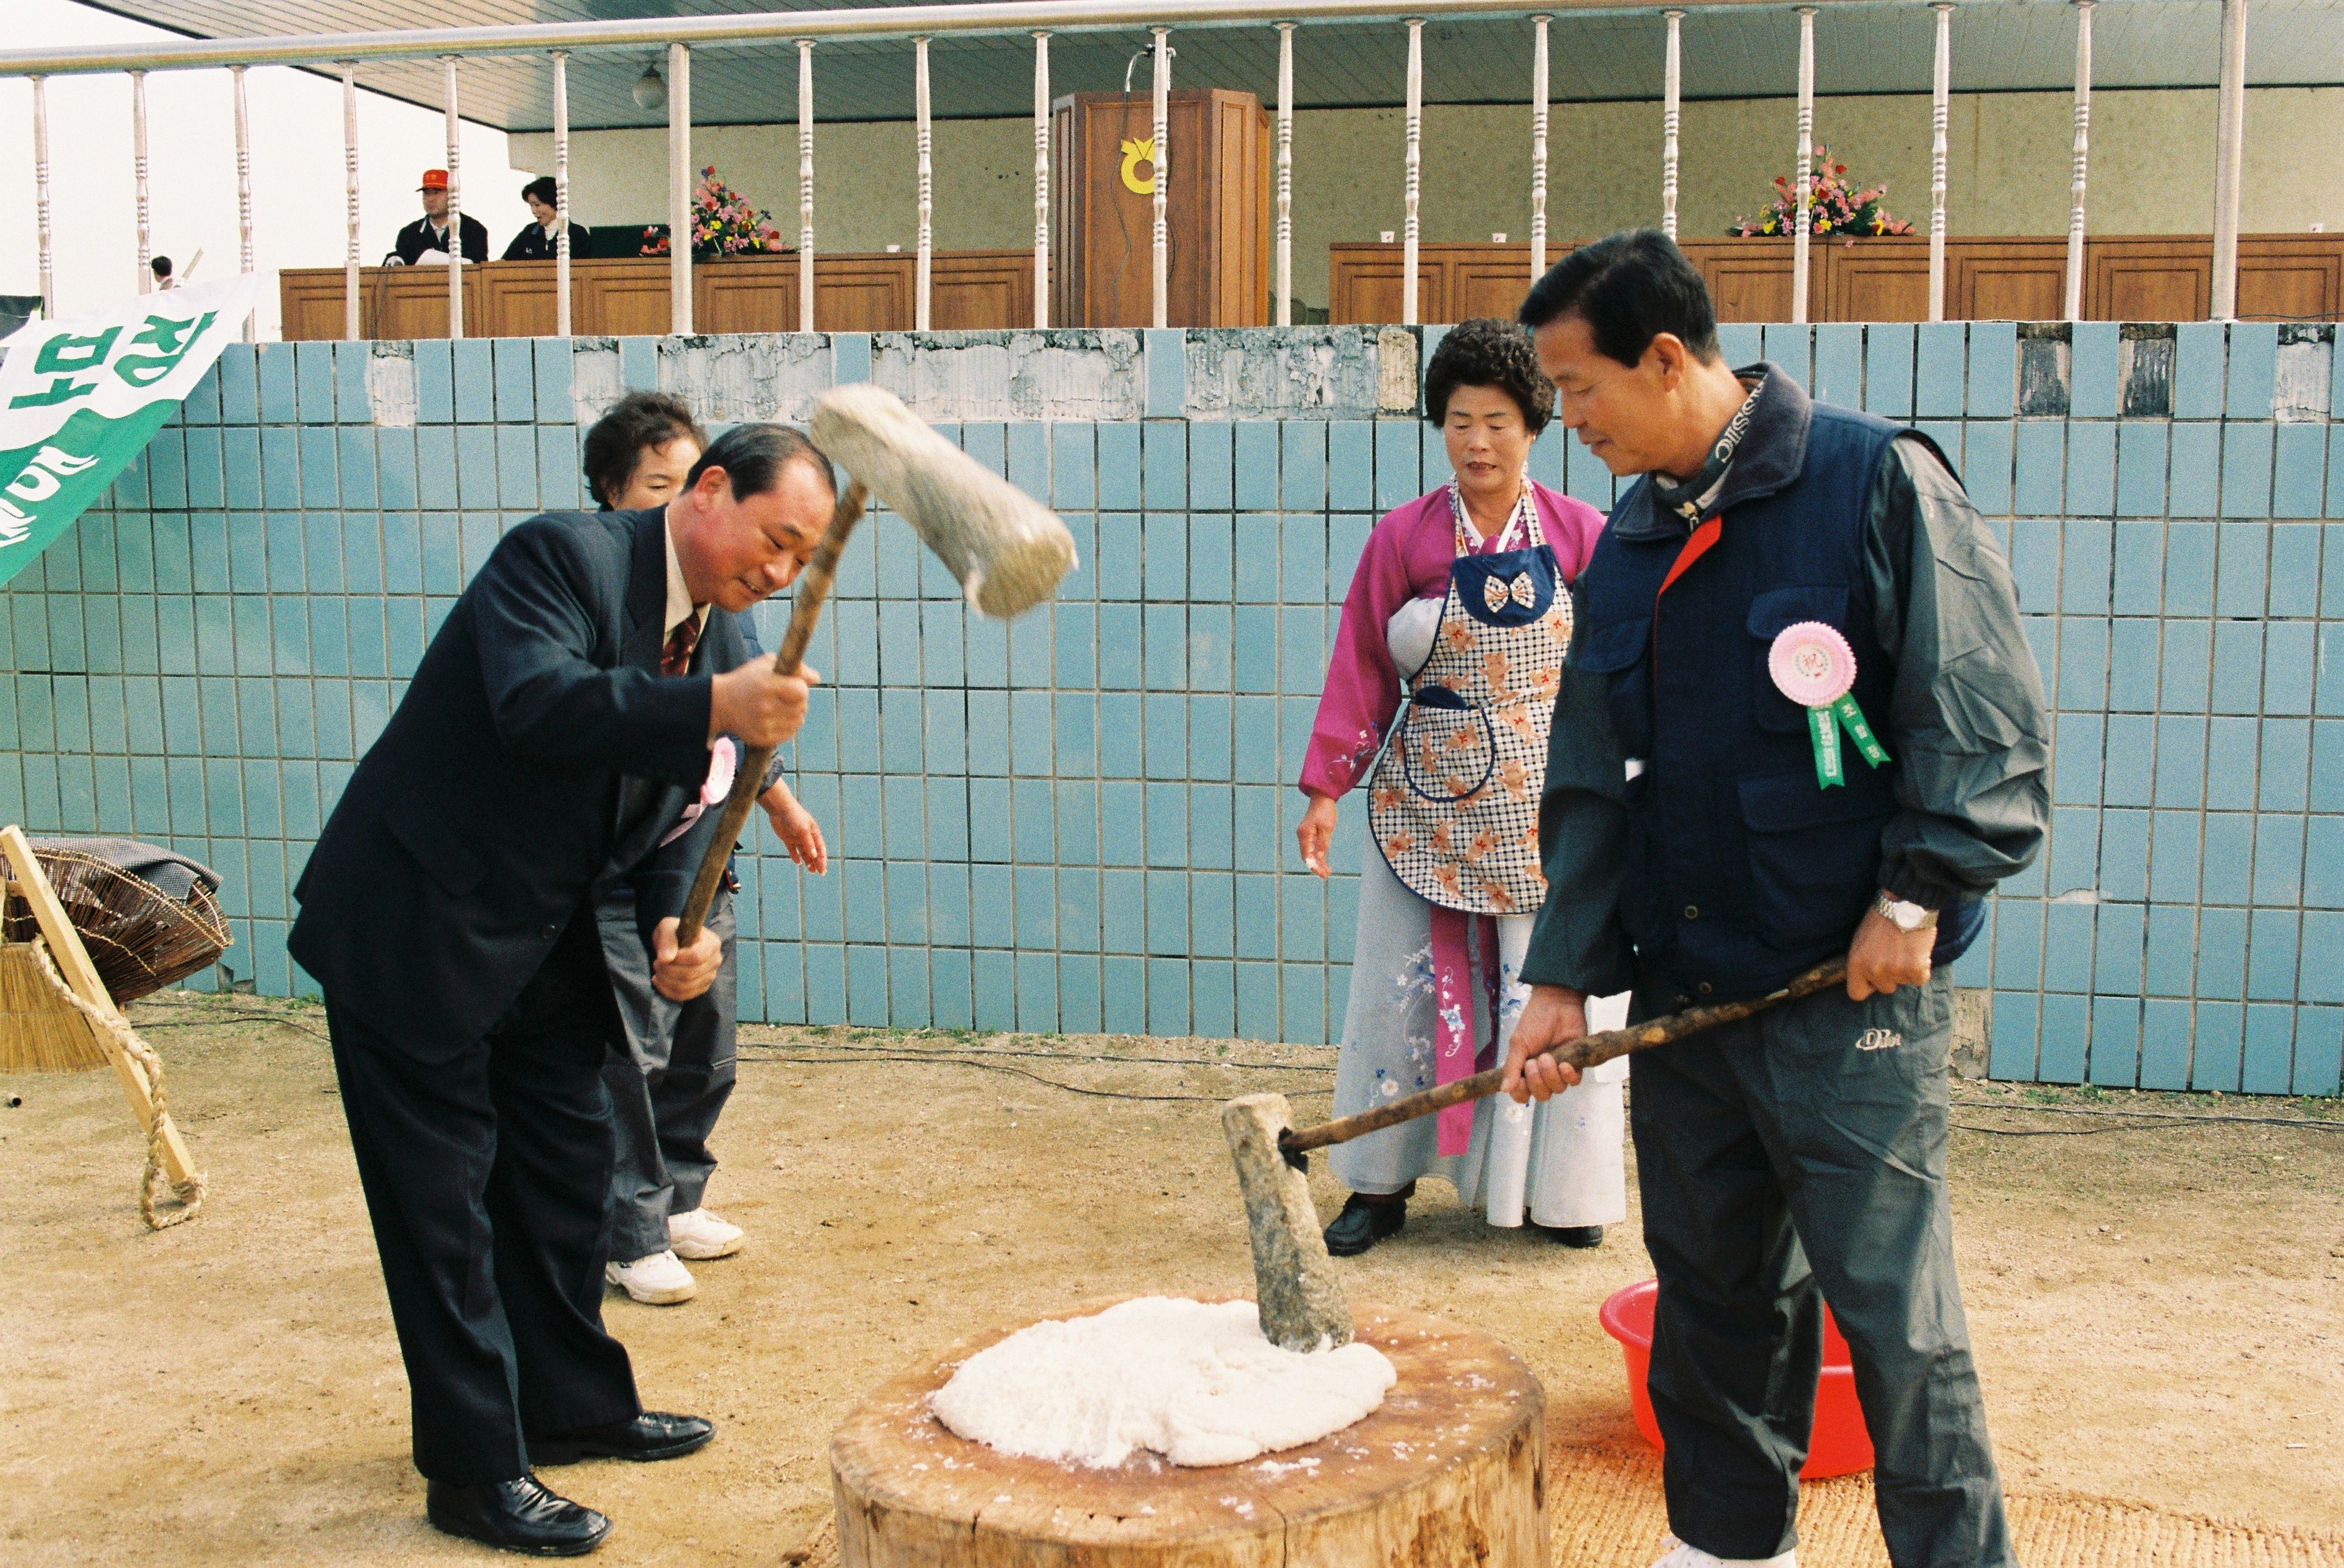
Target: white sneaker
(699,1234)
(1680,1555)
(658,1280)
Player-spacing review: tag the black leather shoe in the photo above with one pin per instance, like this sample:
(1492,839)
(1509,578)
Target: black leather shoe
(515,1516)
(1581,1236)
(650,1435)
(1366,1218)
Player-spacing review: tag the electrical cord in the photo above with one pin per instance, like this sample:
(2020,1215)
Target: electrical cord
(933,1057)
(837,1055)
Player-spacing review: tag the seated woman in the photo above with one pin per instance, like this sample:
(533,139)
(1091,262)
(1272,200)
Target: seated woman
(1437,698)
(671,1083)
(535,243)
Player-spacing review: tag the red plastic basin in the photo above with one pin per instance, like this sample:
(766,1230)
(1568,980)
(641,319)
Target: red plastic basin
(1841,1445)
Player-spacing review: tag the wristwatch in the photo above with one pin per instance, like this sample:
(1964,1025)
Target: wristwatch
(1902,914)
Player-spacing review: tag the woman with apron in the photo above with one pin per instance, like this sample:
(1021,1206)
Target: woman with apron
(1437,700)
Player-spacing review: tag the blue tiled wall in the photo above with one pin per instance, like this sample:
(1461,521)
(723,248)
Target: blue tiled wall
(1083,821)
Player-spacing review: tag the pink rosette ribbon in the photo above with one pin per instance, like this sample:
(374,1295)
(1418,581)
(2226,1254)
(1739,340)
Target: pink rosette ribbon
(1813,666)
(723,760)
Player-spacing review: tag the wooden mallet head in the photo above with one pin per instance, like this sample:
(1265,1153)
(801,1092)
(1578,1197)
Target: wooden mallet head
(1007,550)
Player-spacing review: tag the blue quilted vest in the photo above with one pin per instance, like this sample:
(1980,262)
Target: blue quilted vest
(1743,870)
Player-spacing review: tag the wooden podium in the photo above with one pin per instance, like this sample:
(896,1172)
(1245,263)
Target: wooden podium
(1217,209)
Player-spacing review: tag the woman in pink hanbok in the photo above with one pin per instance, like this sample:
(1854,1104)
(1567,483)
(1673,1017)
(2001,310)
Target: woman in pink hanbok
(1437,701)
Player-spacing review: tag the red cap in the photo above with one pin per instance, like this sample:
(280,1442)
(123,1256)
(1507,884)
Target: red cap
(434,179)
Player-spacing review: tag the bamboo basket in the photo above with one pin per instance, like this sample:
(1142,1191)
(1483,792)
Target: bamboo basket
(139,940)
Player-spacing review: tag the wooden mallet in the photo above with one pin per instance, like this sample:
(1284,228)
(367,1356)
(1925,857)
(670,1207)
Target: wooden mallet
(1007,550)
(1294,1287)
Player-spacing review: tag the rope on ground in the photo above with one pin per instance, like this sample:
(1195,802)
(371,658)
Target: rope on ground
(150,1067)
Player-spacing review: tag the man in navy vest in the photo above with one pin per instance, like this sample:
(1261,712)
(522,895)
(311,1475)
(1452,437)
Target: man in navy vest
(1729,803)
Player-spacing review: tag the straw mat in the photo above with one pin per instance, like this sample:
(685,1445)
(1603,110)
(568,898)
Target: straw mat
(1607,1512)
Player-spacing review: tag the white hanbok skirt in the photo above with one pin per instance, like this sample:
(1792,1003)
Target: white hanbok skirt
(1560,1163)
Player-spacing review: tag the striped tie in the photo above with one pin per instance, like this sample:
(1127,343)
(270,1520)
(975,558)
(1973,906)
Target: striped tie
(675,659)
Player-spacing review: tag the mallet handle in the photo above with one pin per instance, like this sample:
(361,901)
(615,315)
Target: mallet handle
(1587,1051)
(805,608)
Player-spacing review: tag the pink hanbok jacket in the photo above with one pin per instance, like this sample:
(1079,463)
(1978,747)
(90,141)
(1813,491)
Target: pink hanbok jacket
(1407,557)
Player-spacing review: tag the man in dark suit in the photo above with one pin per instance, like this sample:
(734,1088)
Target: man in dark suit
(429,232)
(559,724)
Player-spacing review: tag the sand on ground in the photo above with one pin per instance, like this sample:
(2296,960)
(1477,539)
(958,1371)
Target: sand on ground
(2157,1308)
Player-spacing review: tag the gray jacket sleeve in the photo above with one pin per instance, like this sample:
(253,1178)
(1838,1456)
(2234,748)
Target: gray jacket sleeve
(1583,829)
(1965,718)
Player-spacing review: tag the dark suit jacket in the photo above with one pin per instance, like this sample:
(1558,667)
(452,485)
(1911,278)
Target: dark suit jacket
(418,238)
(530,243)
(497,794)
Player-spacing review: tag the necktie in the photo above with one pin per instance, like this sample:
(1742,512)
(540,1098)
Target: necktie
(675,659)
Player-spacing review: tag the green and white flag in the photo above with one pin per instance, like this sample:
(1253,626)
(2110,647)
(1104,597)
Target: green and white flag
(80,398)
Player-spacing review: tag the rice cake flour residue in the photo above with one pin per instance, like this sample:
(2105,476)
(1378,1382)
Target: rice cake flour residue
(1195,1381)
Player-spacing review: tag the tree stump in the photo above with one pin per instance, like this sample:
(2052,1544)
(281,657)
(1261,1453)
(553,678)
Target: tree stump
(1448,1472)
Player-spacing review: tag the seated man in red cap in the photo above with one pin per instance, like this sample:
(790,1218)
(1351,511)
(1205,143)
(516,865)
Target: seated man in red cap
(429,232)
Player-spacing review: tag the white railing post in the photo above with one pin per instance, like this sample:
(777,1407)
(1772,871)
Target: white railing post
(1285,174)
(1537,145)
(1415,158)
(41,220)
(1160,257)
(243,194)
(353,322)
(2075,301)
(679,189)
(455,209)
(561,193)
(1799,244)
(1041,180)
(1940,107)
(2230,136)
(1671,121)
(924,133)
(805,185)
(139,180)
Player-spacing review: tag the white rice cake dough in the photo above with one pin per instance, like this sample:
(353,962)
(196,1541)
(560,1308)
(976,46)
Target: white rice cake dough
(1192,1380)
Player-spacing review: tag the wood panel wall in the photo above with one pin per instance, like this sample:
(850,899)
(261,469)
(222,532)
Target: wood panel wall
(628,296)
(2281,277)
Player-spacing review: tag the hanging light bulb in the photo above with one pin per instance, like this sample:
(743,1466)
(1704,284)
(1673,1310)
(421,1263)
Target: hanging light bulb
(650,91)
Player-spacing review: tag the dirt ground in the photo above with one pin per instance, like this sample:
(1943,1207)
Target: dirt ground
(2156,1306)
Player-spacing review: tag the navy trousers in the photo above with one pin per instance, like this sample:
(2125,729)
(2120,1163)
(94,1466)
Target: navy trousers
(1787,1159)
(487,1176)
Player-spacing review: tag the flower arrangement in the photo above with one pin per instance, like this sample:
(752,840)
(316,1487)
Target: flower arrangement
(723,223)
(1834,206)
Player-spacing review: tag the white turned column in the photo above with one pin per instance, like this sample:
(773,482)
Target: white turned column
(1160,256)
(2231,135)
(1285,174)
(139,180)
(1800,242)
(1940,108)
(1671,121)
(924,134)
(679,189)
(805,185)
(244,192)
(1537,145)
(2075,301)
(455,206)
(353,322)
(1415,159)
(1041,180)
(561,193)
(42,222)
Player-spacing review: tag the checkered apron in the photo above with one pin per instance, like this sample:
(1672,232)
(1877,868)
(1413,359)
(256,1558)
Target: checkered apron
(1453,798)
